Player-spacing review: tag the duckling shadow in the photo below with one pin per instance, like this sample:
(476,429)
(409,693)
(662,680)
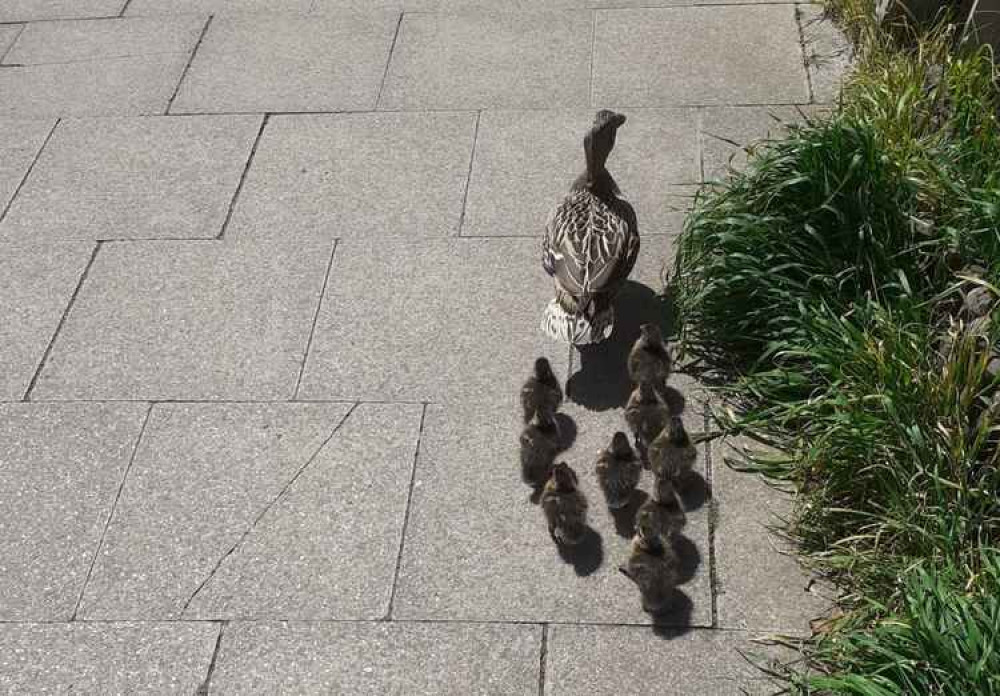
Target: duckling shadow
(625,517)
(567,431)
(602,382)
(587,556)
(675,620)
(688,556)
(694,491)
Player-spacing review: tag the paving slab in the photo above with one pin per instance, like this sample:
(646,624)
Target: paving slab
(30,10)
(378,659)
(20,142)
(105,658)
(536,5)
(134,178)
(606,661)
(478,61)
(189,320)
(289,63)
(431,314)
(216,7)
(698,55)
(727,132)
(8,34)
(202,476)
(60,469)
(94,40)
(525,162)
(357,175)
(36,284)
(762,587)
(327,549)
(828,53)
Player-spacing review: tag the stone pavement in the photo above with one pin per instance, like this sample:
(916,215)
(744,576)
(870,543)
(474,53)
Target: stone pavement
(269,281)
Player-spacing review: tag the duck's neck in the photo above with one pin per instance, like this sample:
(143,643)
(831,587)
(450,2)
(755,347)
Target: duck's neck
(599,182)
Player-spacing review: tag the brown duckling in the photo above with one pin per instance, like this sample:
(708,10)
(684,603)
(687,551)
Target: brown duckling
(646,416)
(541,392)
(618,471)
(649,359)
(672,454)
(662,515)
(654,567)
(539,446)
(564,506)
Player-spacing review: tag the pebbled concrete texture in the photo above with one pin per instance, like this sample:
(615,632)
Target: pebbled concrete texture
(106,658)
(134,178)
(30,10)
(60,469)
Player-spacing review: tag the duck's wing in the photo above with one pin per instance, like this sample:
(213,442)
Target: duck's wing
(589,246)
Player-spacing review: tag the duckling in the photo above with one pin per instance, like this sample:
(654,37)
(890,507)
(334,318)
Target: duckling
(590,245)
(654,567)
(542,391)
(662,515)
(564,506)
(672,454)
(649,359)
(618,471)
(646,416)
(539,445)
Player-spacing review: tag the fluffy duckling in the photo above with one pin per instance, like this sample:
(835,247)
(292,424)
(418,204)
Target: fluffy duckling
(649,359)
(646,416)
(654,568)
(662,515)
(564,506)
(541,392)
(672,454)
(618,471)
(539,446)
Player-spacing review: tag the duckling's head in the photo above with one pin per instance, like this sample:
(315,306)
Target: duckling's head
(647,540)
(564,478)
(543,370)
(620,446)
(663,491)
(651,335)
(678,435)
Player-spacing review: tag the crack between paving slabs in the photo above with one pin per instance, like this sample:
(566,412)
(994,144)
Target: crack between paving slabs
(543,658)
(312,329)
(805,54)
(111,512)
(468,176)
(388,58)
(206,686)
(406,514)
(187,66)
(97,59)
(27,173)
(243,176)
(3,56)
(713,578)
(281,494)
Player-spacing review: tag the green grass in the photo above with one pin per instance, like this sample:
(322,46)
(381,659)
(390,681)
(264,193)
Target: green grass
(822,286)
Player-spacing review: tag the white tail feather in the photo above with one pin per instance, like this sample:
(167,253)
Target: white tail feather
(579,330)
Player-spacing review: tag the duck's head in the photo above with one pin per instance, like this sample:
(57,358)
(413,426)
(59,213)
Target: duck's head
(620,446)
(597,146)
(564,478)
(651,334)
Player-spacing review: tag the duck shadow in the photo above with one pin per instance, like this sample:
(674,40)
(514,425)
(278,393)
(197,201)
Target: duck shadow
(694,491)
(688,556)
(675,620)
(587,556)
(567,431)
(602,381)
(624,517)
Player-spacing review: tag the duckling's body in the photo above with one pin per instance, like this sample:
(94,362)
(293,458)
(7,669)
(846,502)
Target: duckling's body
(646,416)
(618,472)
(564,506)
(590,246)
(541,393)
(539,446)
(662,515)
(649,360)
(672,454)
(654,567)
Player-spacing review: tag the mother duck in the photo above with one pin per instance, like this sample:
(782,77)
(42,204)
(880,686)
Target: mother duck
(590,246)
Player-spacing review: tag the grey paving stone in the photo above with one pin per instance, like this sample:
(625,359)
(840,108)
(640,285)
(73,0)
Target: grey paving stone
(36,284)
(378,659)
(20,142)
(60,468)
(535,5)
(828,53)
(95,40)
(28,10)
(105,658)
(761,585)
(135,178)
(8,34)
(726,133)
(189,320)
(328,549)
(525,162)
(134,86)
(698,55)
(289,63)
(441,319)
(357,175)
(217,7)
(490,60)
(202,475)
(606,661)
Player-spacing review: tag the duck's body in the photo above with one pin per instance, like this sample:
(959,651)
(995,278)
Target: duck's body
(590,246)
(541,393)
(649,360)
(618,472)
(564,506)
(654,567)
(646,416)
(672,454)
(661,516)
(539,446)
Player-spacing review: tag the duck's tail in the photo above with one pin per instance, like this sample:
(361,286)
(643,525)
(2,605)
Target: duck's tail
(582,328)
